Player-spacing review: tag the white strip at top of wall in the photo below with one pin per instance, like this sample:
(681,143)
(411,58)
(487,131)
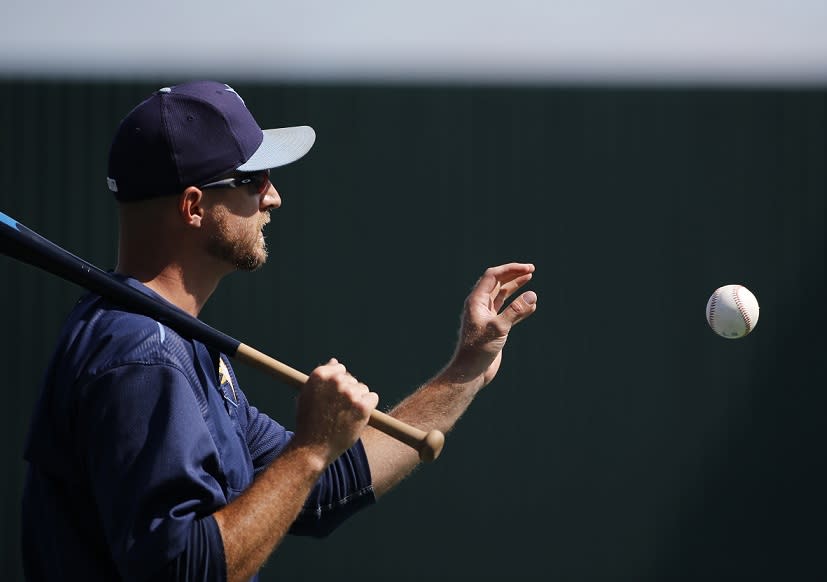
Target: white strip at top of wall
(737,41)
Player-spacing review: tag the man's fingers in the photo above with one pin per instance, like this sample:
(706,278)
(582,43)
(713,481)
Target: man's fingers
(361,396)
(502,274)
(505,291)
(498,282)
(329,370)
(520,308)
(346,382)
(369,400)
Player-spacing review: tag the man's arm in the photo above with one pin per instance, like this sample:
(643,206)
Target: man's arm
(333,409)
(440,402)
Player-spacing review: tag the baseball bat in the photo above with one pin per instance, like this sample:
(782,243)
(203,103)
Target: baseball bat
(25,245)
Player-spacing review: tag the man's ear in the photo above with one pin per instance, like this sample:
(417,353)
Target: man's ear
(191,206)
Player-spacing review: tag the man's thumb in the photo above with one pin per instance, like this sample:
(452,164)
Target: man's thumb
(521,307)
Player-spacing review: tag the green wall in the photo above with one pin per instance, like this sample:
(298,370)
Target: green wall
(622,439)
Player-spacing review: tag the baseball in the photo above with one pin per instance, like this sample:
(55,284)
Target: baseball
(732,311)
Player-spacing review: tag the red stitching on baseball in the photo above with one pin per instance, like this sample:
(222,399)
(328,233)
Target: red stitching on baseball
(712,306)
(741,308)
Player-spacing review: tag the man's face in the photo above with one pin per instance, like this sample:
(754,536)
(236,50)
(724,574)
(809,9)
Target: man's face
(238,217)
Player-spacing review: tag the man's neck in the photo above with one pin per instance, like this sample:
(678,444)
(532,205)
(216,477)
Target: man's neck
(159,249)
(185,288)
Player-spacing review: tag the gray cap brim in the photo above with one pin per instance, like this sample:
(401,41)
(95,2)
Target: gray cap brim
(280,147)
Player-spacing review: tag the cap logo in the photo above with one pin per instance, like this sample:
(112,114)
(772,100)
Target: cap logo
(113,185)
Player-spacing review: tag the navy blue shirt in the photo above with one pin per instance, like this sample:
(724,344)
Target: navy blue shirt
(138,437)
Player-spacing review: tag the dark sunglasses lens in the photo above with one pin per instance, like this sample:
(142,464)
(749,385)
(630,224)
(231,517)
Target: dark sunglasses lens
(260,181)
(263,180)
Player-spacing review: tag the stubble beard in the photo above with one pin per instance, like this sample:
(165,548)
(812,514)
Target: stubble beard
(239,244)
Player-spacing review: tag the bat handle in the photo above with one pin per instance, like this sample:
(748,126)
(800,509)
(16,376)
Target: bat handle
(427,444)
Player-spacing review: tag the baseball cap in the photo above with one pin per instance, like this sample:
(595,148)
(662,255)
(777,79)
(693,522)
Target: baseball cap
(189,134)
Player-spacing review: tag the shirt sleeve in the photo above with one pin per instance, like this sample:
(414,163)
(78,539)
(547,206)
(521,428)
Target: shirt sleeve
(152,467)
(343,489)
(266,438)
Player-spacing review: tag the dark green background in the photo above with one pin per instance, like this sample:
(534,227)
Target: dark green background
(622,440)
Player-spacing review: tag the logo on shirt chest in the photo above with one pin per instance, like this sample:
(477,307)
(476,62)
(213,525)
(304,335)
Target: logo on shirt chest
(225,379)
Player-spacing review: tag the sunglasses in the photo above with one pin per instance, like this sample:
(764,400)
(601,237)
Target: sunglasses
(258,180)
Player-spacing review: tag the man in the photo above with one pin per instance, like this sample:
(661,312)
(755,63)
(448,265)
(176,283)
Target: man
(145,459)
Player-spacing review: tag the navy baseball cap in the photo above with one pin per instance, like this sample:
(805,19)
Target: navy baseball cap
(189,134)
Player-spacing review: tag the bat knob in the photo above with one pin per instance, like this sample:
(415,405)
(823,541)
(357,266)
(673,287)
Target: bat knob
(431,446)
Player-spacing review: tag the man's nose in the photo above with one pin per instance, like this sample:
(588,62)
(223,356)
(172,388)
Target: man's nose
(271,198)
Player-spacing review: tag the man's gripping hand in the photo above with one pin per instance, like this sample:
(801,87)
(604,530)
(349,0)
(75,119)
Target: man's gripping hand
(333,410)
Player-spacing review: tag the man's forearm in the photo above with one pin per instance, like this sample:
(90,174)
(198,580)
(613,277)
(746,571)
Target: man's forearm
(438,404)
(253,525)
